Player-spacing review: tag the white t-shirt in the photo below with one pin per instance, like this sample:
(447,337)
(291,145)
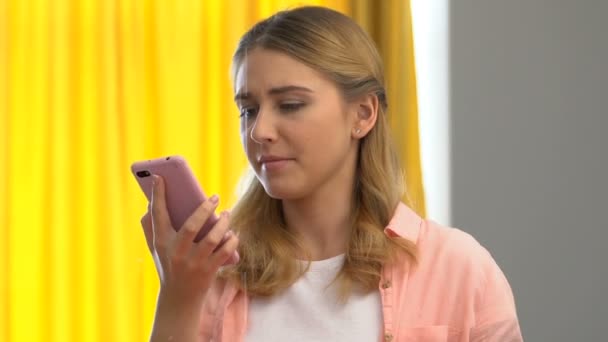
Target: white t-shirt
(310,311)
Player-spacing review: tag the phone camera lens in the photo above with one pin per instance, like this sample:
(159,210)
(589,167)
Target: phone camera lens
(168,158)
(144,173)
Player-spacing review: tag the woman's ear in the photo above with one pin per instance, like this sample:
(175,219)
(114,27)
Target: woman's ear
(366,109)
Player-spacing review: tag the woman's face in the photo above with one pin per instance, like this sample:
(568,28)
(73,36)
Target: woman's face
(296,127)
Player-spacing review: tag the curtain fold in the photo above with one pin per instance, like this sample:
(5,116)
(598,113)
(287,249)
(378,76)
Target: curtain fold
(89,86)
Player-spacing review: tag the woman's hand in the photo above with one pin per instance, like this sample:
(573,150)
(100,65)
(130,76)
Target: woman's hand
(186,269)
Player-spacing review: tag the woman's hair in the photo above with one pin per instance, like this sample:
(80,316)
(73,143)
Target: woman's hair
(335,45)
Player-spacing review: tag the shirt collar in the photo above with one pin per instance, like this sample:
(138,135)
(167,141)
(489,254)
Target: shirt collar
(405,223)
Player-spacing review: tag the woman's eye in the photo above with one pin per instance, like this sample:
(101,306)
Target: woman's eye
(291,106)
(248,111)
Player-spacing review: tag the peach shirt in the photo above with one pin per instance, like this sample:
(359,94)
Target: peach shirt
(456,292)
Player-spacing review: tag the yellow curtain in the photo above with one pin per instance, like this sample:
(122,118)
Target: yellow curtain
(89,86)
(389,23)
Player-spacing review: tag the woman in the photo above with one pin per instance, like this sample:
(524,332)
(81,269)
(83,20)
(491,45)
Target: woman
(328,252)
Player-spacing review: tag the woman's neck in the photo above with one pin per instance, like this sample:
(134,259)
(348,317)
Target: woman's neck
(322,222)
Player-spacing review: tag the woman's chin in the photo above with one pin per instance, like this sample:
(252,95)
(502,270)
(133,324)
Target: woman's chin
(282,192)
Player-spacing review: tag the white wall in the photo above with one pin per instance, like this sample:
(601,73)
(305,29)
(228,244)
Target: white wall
(528,94)
(430,22)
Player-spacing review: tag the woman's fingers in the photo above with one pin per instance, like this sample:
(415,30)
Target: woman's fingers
(194,223)
(225,252)
(161,223)
(212,240)
(178,255)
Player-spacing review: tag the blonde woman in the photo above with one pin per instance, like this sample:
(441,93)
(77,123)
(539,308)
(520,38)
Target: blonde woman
(328,251)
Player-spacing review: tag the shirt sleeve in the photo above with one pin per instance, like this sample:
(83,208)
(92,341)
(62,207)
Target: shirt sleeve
(495,316)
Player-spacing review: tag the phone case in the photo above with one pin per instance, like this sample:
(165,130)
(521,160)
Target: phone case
(182,191)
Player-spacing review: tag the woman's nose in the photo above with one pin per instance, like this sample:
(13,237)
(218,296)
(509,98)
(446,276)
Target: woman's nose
(264,127)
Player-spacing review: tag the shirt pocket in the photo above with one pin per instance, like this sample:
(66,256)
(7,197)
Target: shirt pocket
(433,333)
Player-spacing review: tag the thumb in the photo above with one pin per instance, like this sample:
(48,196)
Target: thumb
(161,223)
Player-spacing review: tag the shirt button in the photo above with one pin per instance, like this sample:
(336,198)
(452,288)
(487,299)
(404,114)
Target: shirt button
(388,337)
(386,284)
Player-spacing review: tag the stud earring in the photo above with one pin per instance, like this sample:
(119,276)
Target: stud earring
(358,130)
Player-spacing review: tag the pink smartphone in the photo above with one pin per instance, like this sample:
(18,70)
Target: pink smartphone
(182,191)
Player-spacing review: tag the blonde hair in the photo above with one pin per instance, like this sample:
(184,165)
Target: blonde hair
(335,45)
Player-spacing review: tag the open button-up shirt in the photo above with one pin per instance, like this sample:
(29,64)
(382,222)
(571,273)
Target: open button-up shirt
(455,292)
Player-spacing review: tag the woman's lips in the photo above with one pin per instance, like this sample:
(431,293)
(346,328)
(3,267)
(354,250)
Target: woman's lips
(275,164)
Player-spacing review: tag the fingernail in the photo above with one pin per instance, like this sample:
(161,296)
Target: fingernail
(224,213)
(214,199)
(154,179)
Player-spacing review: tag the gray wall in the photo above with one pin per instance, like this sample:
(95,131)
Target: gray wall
(529,82)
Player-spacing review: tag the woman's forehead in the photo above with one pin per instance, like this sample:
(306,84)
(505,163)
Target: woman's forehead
(266,70)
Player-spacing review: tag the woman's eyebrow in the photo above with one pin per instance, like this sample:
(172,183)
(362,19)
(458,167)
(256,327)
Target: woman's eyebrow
(273,91)
(241,96)
(285,89)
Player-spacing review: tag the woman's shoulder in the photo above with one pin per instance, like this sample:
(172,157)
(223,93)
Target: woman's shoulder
(454,244)
(444,254)
(455,281)
(437,244)
(470,278)
(455,255)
